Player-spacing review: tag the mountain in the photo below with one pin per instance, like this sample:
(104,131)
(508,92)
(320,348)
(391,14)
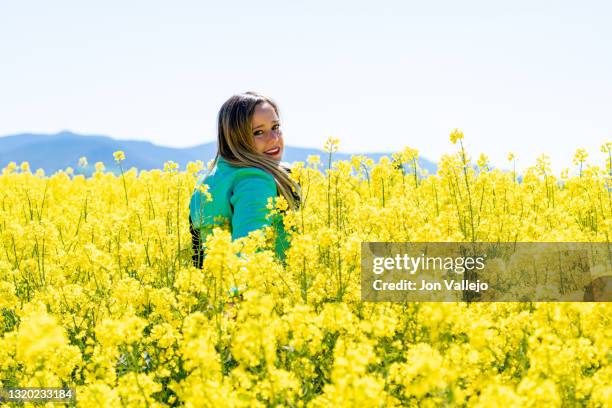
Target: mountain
(53,152)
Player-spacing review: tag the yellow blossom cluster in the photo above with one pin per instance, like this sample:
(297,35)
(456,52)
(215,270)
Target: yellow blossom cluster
(98,291)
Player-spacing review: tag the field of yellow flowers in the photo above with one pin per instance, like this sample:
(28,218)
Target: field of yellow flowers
(98,292)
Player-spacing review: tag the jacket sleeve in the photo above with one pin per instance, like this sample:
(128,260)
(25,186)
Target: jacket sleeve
(249,199)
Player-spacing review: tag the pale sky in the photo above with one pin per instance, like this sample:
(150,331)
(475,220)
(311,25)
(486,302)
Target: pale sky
(530,77)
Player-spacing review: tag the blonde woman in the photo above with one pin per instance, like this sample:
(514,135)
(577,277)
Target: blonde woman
(246,171)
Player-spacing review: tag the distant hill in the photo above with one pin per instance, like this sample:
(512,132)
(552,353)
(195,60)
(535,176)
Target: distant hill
(53,152)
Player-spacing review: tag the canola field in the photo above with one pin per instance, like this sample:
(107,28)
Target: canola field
(98,291)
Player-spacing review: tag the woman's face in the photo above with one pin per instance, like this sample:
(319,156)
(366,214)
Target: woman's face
(267,136)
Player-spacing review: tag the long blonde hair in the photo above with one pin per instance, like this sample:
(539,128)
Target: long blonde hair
(235,142)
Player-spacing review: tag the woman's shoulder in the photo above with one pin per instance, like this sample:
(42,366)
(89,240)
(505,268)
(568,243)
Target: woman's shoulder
(226,167)
(242,173)
(246,176)
(223,171)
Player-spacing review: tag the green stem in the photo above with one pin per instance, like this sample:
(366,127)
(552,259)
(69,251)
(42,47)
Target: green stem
(467,184)
(124,185)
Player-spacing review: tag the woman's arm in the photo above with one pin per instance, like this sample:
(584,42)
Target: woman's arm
(249,201)
(196,245)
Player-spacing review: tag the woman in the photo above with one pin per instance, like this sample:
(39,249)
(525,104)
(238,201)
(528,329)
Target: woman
(246,172)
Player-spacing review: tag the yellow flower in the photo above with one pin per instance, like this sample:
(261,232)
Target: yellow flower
(194,167)
(42,342)
(456,135)
(136,389)
(83,162)
(170,166)
(564,174)
(112,332)
(580,156)
(483,161)
(409,154)
(281,203)
(119,155)
(98,394)
(203,189)
(313,159)
(543,164)
(511,156)
(356,162)
(331,144)
(11,167)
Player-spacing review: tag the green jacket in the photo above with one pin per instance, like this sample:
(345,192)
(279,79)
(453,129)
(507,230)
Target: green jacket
(239,200)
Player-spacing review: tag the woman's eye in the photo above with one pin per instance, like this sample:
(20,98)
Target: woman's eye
(260,132)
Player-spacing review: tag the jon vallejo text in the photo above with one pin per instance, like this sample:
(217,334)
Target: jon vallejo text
(459,285)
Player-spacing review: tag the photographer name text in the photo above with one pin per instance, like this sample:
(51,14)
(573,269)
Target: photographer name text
(423,285)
